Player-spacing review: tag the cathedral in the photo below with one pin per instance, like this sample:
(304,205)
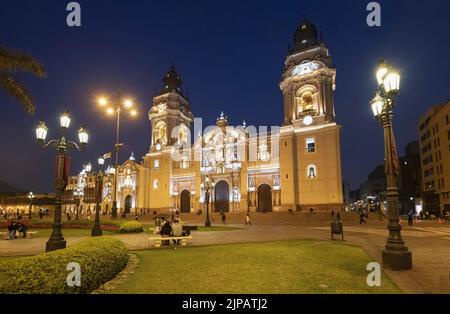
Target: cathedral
(295,167)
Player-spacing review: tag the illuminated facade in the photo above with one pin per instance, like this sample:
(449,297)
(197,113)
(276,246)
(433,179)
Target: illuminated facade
(295,167)
(434,133)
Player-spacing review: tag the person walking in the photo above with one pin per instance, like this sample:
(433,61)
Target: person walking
(362,217)
(410,218)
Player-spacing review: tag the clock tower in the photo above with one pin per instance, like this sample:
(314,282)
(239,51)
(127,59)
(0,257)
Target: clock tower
(170,114)
(309,138)
(308,80)
(171,118)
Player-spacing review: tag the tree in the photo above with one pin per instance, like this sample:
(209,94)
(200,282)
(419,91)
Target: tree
(13,61)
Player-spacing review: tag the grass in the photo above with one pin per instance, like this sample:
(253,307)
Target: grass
(299,266)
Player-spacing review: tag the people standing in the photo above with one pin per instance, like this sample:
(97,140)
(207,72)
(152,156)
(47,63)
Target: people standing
(12,228)
(247,220)
(224,219)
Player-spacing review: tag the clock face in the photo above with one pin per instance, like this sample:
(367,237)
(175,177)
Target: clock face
(304,68)
(308,120)
(158,146)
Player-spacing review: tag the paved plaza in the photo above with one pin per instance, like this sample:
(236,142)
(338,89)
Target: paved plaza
(430,274)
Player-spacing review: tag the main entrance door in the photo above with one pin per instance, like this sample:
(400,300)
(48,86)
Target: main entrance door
(264,198)
(222,196)
(185,201)
(128,204)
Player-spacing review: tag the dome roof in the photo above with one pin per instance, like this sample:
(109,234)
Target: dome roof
(305,36)
(172,81)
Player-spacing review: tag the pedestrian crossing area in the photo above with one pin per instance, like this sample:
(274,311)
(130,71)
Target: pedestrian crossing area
(439,231)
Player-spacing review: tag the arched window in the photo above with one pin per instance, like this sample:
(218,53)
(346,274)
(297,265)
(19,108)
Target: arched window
(183,134)
(307,100)
(311,172)
(160,133)
(155,184)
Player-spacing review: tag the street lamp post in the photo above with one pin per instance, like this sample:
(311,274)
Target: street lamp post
(96,230)
(62,146)
(207,185)
(31,197)
(117,108)
(395,255)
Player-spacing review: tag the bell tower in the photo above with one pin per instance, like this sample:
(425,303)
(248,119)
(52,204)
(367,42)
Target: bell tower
(310,159)
(308,80)
(170,114)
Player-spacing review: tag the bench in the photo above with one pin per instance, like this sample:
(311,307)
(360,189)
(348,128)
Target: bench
(18,235)
(158,240)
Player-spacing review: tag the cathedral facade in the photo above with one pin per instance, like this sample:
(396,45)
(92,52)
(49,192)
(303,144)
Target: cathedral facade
(294,167)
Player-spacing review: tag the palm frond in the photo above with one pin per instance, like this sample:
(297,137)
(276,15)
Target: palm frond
(14,60)
(18,91)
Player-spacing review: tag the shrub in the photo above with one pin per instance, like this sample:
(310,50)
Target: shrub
(131,227)
(100,260)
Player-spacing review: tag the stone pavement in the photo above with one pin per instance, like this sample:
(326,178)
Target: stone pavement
(430,244)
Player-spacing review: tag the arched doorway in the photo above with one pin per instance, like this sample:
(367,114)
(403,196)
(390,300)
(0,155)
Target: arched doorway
(185,201)
(128,204)
(222,196)
(264,198)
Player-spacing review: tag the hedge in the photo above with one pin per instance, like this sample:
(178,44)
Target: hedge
(131,227)
(100,259)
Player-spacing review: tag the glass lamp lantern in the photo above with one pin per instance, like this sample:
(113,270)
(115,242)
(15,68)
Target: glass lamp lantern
(392,82)
(83,136)
(41,132)
(381,73)
(88,167)
(377,105)
(101,161)
(64,120)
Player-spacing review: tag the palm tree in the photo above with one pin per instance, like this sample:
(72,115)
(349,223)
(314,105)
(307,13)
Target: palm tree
(12,61)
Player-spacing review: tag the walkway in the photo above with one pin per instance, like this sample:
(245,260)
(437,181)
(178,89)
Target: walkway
(430,244)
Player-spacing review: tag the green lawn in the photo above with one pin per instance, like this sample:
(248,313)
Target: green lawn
(299,266)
